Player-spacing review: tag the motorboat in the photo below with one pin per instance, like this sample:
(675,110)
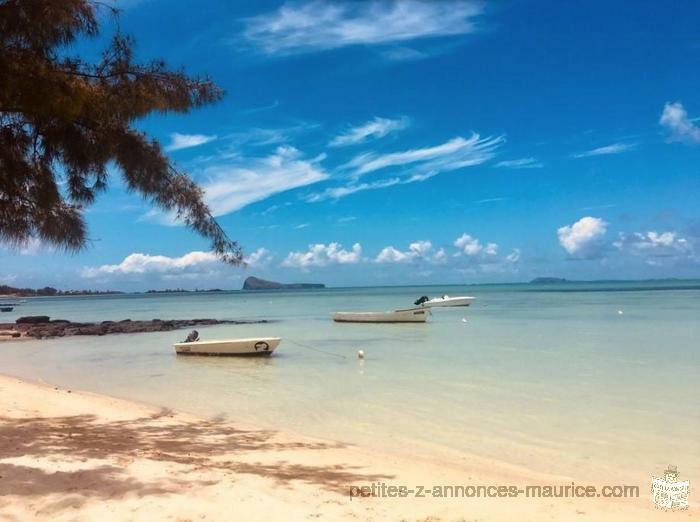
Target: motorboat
(412,315)
(251,346)
(444,301)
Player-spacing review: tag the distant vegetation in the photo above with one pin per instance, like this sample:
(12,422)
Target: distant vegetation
(541,280)
(255,283)
(49,291)
(182,290)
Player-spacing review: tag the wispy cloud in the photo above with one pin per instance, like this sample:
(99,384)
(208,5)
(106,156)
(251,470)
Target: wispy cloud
(324,255)
(32,247)
(490,200)
(373,129)
(522,163)
(654,244)
(301,27)
(675,119)
(185,141)
(233,186)
(454,154)
(404,54)
(615,148)
(411,166)
(584,239)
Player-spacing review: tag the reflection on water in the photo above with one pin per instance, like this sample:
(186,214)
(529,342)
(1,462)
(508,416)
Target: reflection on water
(559,381)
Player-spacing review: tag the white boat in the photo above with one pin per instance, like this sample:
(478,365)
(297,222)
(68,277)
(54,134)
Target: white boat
(446,300)
(412,315)
(253,346)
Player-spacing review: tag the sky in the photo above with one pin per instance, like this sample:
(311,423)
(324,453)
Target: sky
(411,142)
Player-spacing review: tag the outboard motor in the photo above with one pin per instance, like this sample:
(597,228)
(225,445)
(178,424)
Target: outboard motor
(192,336)
(421,300)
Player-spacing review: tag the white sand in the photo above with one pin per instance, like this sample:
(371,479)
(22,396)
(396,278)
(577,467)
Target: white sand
(68,455)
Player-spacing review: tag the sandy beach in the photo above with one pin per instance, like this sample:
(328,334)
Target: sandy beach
(72,455)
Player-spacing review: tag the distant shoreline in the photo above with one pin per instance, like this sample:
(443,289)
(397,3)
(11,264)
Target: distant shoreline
(680,284)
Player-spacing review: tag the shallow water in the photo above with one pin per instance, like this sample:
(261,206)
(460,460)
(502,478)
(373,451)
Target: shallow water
(552,377)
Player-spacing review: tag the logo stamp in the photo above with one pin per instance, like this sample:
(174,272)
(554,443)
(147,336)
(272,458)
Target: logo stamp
(669,492)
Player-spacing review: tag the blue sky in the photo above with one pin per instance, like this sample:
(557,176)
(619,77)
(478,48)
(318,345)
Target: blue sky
(404,142)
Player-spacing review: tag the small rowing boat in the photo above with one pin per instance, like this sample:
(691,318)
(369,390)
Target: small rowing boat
(252,346)
(445,301)
(412,315)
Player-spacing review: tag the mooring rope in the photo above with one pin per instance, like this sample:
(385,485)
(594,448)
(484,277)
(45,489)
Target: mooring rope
(309,347)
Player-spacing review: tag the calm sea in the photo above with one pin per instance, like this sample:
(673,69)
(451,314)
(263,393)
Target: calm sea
(578,379)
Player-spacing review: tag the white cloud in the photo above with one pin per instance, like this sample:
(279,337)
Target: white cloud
(137,263)
(232,187)
(675,119)
(31,247)
(471,246)
(615,148)
(413,165)
(185,141)
(316,25)
(375,129)
(418,250)
(583,239)
(473,256)
(260,257)
(324,255)
(653,244)
(522,163)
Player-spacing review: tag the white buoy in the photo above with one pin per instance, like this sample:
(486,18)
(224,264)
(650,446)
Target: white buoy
(360,354)
(620,312)
(464,319)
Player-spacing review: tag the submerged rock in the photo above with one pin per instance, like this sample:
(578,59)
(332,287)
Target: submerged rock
(42,327)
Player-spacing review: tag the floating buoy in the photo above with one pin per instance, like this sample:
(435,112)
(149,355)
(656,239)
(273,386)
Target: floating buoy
(360,354)
(620,312)
(464,319)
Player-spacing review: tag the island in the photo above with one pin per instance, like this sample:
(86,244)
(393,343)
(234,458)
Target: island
(48,291)
(255,283)
(549,280)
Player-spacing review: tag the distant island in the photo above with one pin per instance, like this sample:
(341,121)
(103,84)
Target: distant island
(49,291)
(255,283)
(549,280)
(182,290)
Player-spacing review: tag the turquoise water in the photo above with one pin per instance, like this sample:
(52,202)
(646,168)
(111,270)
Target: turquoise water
(552,377)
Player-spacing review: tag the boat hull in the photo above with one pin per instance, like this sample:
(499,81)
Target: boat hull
(448,302)
(414,315)
(259,346)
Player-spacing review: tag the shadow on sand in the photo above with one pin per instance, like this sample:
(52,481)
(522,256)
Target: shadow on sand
(194,444)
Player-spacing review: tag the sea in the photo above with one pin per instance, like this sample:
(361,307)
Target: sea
(583,380)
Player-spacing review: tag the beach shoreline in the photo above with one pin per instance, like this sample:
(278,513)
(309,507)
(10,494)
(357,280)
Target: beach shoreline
(68,454)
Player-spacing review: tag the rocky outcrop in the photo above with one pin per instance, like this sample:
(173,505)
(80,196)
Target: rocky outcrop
(42,327)
(255,283)
(33,319)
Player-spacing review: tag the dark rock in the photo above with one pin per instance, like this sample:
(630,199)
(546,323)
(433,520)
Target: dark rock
(61,328)
(33,319)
